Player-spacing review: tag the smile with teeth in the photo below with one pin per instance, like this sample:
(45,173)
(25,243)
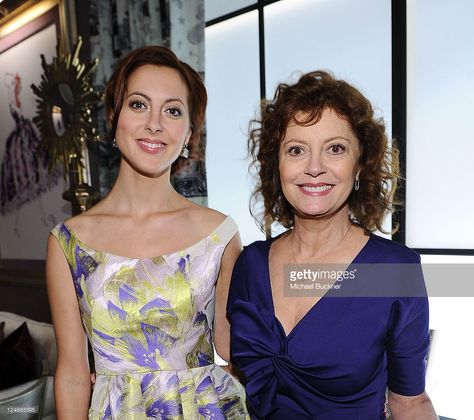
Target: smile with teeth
(151,145)
(316,189)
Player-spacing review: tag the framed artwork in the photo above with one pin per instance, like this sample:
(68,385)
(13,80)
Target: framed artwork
(31,201)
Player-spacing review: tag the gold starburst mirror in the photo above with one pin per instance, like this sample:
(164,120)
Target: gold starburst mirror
(64,114)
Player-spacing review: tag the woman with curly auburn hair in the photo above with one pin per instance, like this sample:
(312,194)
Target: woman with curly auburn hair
(327,174)
(306,102)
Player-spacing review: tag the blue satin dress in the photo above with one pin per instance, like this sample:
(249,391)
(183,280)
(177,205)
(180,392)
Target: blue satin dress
(339,359)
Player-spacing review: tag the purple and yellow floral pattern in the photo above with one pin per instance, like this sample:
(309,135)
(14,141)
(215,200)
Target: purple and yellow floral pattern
(149,324)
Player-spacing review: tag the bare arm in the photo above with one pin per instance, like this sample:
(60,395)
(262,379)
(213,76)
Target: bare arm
(72,381)
(221,324)
(418,407)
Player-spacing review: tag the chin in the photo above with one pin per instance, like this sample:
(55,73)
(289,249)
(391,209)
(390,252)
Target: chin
(310,214)
(150,169)
(153,172)
(315,212)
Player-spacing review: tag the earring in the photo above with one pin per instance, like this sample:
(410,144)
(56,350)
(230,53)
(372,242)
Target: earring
(114,143)
(185,152)
(357,184)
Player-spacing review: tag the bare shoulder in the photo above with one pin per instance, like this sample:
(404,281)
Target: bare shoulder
(205,219)
(89,222)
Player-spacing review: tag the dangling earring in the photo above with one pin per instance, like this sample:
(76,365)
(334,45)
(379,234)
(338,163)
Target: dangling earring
(357,184)
(185,152)
(114,143)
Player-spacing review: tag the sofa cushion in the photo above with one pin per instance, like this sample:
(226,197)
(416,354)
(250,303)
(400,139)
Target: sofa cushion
(43,340)
(17,358)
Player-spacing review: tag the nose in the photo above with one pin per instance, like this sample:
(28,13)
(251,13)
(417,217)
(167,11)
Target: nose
(153,125)
(314,165)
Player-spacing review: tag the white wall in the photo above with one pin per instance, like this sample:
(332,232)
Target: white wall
(451,367)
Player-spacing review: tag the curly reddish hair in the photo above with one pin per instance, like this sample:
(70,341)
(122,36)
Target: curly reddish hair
(159,56)
(311,95)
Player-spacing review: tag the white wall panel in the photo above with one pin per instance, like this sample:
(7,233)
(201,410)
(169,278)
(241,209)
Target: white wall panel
(450,368)
(232,79)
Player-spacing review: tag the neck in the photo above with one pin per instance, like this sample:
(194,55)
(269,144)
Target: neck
(139,196)
(313,238)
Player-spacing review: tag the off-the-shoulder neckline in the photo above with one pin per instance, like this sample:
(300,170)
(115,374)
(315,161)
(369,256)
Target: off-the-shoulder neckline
(86,247)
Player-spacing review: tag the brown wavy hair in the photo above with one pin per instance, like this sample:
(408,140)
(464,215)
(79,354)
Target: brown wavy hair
(159,56)
(311,95)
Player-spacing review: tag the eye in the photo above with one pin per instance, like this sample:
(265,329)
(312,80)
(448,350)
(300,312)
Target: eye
(295,151)
(138,105)
(337,149)
(174,111)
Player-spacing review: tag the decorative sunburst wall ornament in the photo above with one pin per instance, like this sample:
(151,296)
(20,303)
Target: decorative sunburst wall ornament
(64,115)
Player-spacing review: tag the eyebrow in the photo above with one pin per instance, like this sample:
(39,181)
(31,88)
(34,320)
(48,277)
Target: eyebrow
(136,92)
(337,138)
(324,141)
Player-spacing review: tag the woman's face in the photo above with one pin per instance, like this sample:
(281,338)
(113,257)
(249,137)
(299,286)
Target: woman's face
(318,165)
(153,124)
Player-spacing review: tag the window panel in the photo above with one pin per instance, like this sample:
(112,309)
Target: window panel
(218,8)
(440,127)
(232,79)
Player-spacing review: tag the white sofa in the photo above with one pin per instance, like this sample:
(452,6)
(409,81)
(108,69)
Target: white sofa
(39,392)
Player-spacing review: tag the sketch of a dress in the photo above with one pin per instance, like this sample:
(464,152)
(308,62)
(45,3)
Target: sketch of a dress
(24,172)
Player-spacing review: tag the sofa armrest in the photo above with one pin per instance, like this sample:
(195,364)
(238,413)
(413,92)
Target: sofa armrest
(23,401)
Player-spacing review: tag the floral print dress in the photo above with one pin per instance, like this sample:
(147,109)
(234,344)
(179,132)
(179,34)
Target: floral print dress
(149,324)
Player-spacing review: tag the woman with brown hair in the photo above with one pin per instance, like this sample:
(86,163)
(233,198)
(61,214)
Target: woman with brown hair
(139,274)
(327,174)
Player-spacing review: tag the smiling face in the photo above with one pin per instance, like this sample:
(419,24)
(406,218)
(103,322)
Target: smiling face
(153,124)
(318,165)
